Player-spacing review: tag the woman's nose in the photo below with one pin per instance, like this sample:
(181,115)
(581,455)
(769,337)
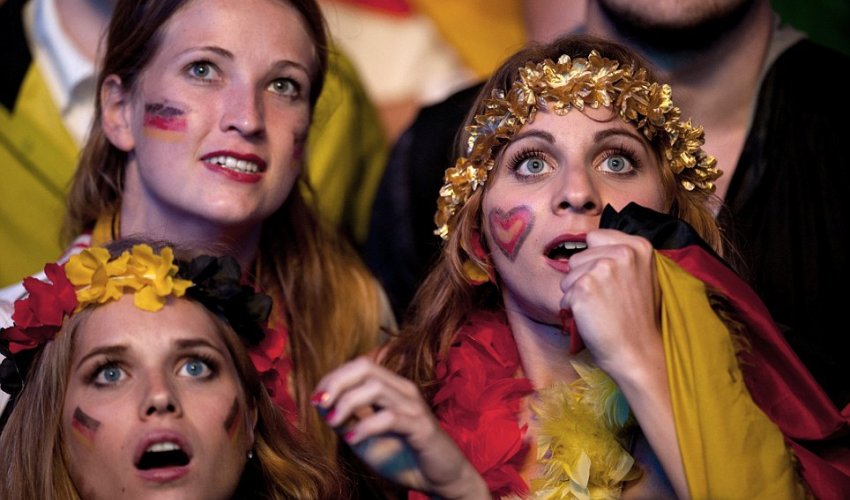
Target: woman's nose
(576,190)
(161,398)
(243,110)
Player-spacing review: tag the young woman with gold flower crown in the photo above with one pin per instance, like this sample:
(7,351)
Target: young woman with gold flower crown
(199,138)
(578,337)
(134,375)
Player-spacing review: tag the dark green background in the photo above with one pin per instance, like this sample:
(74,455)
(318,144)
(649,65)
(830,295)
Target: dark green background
(825,21)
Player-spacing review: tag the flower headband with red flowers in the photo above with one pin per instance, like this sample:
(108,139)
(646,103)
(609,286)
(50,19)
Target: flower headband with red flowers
(93,278)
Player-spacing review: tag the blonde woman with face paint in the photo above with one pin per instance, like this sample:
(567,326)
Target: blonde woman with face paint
(198,139)
(580,337)
(141,385)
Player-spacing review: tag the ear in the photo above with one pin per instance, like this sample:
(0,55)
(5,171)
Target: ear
(117,113)
(477,247)
(476,273)
(253,415)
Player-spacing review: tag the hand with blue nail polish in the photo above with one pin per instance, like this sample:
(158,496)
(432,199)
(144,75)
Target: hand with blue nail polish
(387,422)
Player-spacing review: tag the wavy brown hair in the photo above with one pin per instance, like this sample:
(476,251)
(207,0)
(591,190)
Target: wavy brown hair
(443,301)
(333,304)
(286,465)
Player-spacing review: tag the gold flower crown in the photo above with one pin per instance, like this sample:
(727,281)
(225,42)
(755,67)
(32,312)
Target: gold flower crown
(559,87)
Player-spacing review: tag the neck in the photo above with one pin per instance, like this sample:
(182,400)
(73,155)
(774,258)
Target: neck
(84,21)
(544,350)
(716,83)
(240,241)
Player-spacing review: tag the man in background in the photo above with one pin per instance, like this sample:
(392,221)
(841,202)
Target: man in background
(766,98)
(758,87)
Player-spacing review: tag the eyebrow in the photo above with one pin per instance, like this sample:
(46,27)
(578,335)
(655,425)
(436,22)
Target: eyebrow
(541,134)
(197,342)
(599,136)
(105,350)
(115,350)
(612,132)
(281,64)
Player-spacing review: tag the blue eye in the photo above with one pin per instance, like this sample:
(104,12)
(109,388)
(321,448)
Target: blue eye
(535,165)
(531,166)
(203,70)
(617,163)
(109,374)
(196,368)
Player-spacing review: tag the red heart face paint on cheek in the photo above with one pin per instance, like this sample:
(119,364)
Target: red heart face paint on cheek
(510,229)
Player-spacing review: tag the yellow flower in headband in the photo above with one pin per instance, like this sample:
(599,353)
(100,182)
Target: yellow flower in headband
(575,83)
(93,278)
(90,271)
(152,277)
(155,275)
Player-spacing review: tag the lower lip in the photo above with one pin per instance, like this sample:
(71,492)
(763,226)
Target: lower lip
(163,475)
(562,266)
(234,175)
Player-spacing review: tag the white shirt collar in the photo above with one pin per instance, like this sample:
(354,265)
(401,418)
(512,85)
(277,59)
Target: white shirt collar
(64,67)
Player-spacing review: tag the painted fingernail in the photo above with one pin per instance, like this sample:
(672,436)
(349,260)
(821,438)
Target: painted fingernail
(319,398)
(330,414)
(348,436)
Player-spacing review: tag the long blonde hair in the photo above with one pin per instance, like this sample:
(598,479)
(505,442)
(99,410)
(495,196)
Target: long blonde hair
(333,304)
(446,297)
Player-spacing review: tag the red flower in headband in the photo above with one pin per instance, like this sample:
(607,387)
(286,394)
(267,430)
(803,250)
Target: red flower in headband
(39,316)
(272,364)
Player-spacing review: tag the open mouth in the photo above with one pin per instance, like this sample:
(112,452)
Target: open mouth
(565,250)
(163,455)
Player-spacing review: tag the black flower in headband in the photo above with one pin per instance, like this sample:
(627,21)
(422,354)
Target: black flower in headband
(217,285)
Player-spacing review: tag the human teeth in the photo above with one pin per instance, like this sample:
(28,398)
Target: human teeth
(154,448)
(573,245)
(232,163)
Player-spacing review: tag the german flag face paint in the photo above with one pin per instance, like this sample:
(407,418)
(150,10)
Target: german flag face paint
(233,421)
(164,122)
(84,426)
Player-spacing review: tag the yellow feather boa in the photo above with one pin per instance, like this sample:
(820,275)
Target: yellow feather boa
(580,442)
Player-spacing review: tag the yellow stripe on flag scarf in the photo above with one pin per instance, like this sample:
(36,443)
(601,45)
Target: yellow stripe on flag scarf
(730,448)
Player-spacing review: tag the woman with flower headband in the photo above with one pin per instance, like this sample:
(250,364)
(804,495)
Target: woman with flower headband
(578,337)
(134,378)
(199,139)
